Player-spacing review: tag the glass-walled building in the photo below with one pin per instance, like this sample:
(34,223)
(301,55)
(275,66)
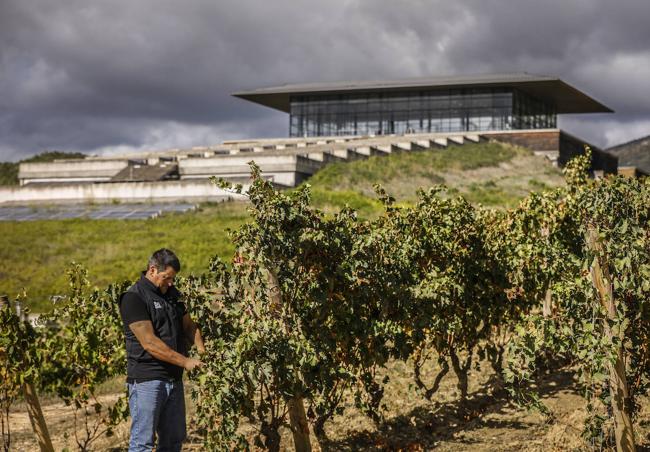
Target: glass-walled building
(453,110)
(432,105)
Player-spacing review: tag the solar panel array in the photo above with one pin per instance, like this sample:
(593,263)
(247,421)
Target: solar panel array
(95,212)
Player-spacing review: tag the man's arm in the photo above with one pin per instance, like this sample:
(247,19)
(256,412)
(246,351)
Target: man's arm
(143,331)
(191,330)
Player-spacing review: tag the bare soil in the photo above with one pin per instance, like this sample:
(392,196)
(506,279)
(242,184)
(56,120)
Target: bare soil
(488,421)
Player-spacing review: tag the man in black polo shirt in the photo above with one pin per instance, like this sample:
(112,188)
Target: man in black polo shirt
(158,330)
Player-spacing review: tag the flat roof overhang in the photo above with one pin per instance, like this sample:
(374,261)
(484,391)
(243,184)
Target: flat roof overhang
(565,97)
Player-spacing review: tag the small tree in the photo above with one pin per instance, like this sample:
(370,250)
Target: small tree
(20,362)
(84,351)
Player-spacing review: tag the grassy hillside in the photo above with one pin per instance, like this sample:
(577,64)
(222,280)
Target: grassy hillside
(9,170)
(492,174)
(36,253)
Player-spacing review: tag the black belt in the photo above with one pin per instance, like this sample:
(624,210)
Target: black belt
(142,380)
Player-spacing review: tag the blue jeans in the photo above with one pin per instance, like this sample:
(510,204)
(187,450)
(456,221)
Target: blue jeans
(157,407)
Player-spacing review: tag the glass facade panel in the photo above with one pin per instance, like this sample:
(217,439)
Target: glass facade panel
(456,110)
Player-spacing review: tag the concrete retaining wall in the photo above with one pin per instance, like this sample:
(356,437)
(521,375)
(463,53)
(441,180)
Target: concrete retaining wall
(124,192)
(288,170)
(72,171)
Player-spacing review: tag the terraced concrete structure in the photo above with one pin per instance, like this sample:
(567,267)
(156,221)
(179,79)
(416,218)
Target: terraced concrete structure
(183,174)
(286,162)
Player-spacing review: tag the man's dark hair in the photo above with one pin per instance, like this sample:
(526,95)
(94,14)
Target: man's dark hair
(164,258)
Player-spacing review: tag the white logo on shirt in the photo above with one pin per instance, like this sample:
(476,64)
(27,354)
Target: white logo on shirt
(157,305)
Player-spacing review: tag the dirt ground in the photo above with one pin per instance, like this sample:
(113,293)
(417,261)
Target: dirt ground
(489,422)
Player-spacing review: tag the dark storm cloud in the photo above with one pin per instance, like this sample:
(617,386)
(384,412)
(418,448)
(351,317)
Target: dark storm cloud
(119,75)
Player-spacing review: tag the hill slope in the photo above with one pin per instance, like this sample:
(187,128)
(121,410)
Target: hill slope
(492,174)
(37,253)
(634,153)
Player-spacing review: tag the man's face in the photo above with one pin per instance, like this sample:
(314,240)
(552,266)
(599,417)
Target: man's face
(162,279)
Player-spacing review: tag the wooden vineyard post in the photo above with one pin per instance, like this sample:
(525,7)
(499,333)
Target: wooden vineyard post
(37,419)
(547,307)
(299,425)
(39,426)
(296,406)
(602,282)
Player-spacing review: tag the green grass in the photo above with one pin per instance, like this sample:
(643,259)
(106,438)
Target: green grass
(331,201)
(427,165)
(489,194)
(37,253)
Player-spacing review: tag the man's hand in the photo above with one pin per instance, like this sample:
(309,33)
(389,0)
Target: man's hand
(191,364)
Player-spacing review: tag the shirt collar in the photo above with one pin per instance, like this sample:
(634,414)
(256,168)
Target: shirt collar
(148,284)
(171,294)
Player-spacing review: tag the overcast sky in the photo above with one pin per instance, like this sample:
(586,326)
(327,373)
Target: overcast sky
(118,75)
